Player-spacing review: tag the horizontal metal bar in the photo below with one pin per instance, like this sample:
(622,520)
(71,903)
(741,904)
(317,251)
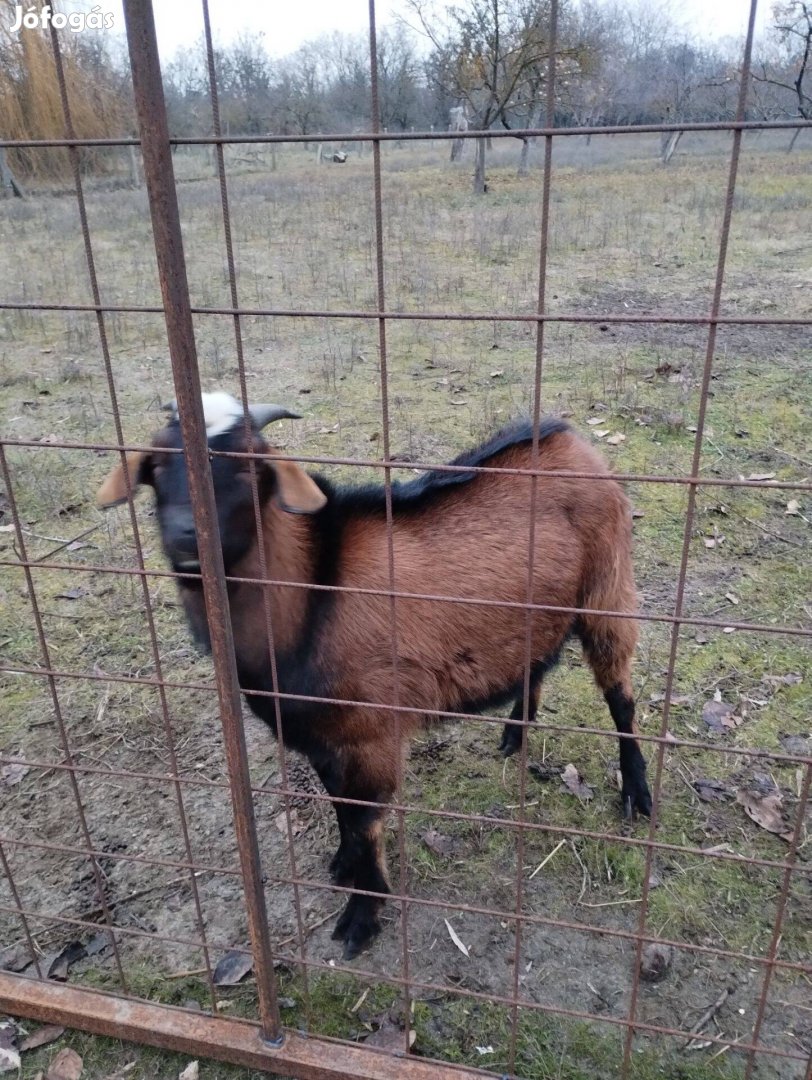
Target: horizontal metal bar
(117,856)
(453,815)
(424,316)
(428,136)
(237,1042)
(671,741)
(421,466)
(438,598)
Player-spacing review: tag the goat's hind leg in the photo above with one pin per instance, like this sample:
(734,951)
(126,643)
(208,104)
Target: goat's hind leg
(512,731)
(609,645)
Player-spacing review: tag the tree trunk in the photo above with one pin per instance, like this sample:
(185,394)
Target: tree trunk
(135,175)
(479,167)
(7,177)
(456,149)
(523,157)
(671,146)
(794,139)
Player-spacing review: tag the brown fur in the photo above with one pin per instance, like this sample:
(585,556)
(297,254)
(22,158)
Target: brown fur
(468,540)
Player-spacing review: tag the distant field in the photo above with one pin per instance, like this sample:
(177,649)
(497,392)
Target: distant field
(626,236)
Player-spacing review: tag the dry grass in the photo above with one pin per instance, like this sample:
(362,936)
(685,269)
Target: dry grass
(626,235)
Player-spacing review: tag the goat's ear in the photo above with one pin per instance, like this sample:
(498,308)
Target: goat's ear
(114,488)
(297,493)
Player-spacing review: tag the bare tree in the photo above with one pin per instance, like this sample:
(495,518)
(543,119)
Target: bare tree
(490,57)
(789,69)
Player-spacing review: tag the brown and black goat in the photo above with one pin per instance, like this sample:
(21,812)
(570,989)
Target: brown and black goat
(456,534)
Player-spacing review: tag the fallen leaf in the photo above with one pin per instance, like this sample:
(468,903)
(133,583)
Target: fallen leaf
(676,699)
(765,810)
(616,440)
(710,790)
(482,1050)
(455,938)
(792,678)
(98,943)
(465,402)
(793,508)
(761,476)
(593,420)
(15,958)
(574,782)
(60,964)
(191,1072)
(43,1036)
(8,1034)
(792,744)
(327,431)
(13,774)
(496,374)
(71,594)
(389,1036)
(638,513)
(732,598)
(715,712)
(67,1065)
(281,822)
(601,434)
(232,968)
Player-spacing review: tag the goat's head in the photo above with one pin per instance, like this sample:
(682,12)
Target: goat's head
(166,472)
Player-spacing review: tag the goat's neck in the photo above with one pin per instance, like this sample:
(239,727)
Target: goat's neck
(289,556)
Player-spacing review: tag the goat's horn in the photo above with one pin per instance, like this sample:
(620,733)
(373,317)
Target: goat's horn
(262,415)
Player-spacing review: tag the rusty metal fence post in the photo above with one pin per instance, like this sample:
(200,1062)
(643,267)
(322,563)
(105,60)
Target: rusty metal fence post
(160,180)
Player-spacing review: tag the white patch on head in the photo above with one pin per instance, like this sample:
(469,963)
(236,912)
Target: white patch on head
(220,411)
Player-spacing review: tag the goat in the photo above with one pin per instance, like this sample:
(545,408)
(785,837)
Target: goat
(462,534)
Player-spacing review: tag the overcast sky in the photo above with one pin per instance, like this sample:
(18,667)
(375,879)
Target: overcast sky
(285,24)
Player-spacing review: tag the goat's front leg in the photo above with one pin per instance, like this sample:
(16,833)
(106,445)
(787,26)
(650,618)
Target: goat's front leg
(363,856)
(368,775)
(332,775)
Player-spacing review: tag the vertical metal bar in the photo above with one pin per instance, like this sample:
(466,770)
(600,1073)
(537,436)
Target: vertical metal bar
(531,539)
(716,302)
(73,152)
(12,884)
(252,466)
(60,720)
(772,952)
(159,175)
(403,879)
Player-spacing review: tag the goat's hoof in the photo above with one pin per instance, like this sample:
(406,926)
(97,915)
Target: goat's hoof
(511,741)
(636,800)
(356,927)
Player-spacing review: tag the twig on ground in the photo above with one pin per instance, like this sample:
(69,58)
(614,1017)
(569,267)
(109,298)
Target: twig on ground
(310,929)
(544,861)
(774,535)
(64,543)
(707,1015)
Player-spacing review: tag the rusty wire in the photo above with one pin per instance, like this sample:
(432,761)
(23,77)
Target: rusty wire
(159,176)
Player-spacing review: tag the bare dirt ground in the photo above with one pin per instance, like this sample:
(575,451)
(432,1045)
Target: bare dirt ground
(652,230)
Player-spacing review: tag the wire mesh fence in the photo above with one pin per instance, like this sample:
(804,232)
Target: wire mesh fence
(247,862)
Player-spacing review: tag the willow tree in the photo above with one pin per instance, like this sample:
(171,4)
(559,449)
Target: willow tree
(30,102)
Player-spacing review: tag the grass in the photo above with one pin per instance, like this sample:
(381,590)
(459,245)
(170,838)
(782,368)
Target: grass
(626,236)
